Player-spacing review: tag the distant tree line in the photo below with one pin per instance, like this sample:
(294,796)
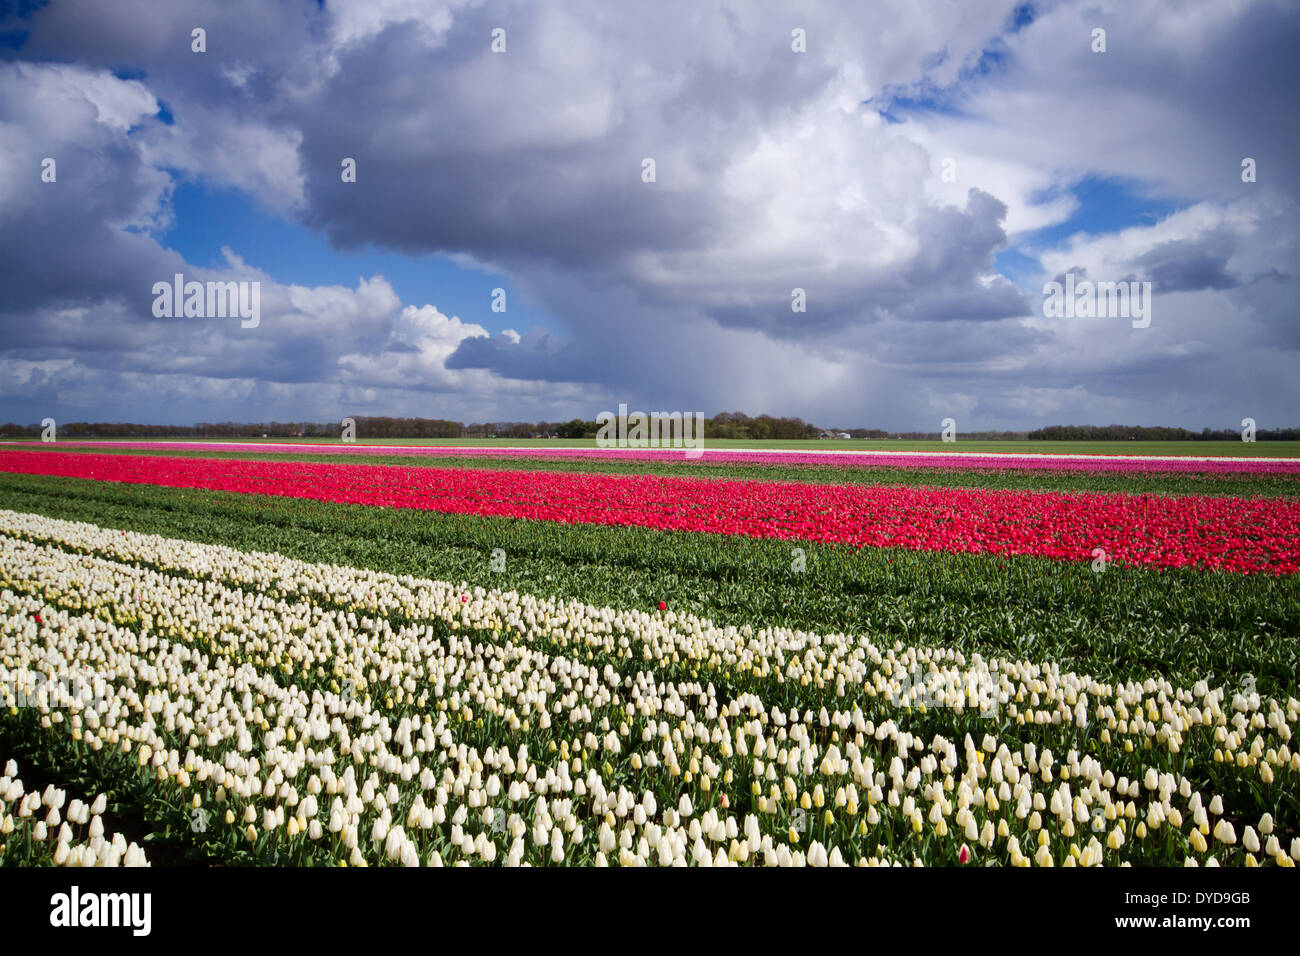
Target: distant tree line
(1155,433)
(731,425)
(740,425)
(723,425)
(102,430)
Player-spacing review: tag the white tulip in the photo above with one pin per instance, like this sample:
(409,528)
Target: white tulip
(1250,840)
(394,842)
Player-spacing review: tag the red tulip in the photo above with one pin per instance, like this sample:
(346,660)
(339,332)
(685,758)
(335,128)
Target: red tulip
(663,606)
(963,855)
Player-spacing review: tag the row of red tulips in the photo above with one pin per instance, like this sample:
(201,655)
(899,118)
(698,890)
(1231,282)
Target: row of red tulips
(1246,535)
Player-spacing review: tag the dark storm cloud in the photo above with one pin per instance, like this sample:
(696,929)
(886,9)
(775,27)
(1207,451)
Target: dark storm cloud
(1188,265)
(534,355)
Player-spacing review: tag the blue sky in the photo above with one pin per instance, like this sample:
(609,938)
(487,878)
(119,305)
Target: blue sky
(208,218)
(1103,206)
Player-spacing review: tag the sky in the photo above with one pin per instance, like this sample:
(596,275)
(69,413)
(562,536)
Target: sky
(853,214)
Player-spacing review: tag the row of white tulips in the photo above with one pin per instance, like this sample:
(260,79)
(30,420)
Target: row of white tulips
(46,829)
(237,675)
(900,675)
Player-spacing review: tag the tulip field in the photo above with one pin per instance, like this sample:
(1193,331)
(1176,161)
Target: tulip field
(331,655)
